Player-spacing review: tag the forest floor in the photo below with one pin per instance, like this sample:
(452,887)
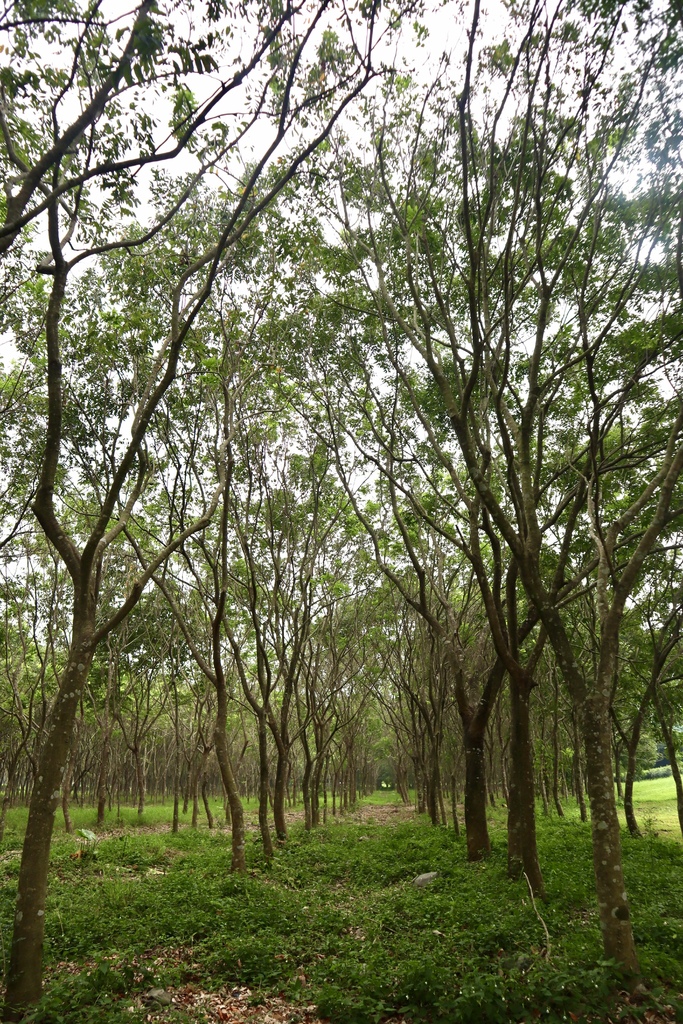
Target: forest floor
(333,929)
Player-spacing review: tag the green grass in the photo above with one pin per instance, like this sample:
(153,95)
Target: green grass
(334,920)
(655,791)
(382,797)
(156,815)
(654,803)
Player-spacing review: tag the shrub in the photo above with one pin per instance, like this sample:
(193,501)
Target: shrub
(663,772)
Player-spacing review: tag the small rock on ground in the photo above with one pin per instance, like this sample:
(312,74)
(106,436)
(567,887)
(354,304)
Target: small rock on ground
(159,995)
(426,879)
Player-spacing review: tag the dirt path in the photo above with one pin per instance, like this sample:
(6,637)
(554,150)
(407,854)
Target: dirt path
(377,814)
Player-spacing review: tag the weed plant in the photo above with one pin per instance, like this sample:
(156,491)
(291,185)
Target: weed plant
(335,920)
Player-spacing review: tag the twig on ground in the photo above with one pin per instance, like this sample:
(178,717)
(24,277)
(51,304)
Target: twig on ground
(545,927)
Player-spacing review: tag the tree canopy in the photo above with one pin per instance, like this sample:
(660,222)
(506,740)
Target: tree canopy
(343,423)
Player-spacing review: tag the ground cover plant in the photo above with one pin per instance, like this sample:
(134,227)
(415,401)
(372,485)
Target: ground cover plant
(334,920)
(654,803)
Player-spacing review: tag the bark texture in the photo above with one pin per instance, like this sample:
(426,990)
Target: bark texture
(614,914)
(24,976)
(522,846)
(476,826)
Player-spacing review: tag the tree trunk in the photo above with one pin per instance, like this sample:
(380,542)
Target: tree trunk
(220,737)
(594,706)
(617,770)
(66,791)
(434,784)
(565,790)
(103,774)
(420,801)
(306,788)
(544,783)
(68,776)
(476,827)
(632,750)
(205,799)
(629,812)
(176,807)
(316,777)
(522,847)
(613,907)
(263,787)
(442,804)
(280,790)
(454,806)
(402,783)
(578,781)
(24,977)
(140,779)
(194,788)
(176,785)
(556,758)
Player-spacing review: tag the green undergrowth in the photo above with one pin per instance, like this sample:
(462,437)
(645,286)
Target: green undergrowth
(334,920)
(155,815)
(654,803)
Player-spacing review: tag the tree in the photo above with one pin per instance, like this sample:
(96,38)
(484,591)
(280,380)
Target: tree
(79,177)
(648,655)
(506,264)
